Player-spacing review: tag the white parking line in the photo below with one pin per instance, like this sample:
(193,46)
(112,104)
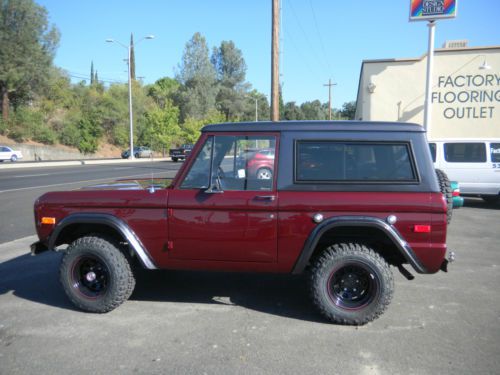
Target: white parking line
(32,175)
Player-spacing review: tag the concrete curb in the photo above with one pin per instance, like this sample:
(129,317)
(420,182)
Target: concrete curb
(20,165)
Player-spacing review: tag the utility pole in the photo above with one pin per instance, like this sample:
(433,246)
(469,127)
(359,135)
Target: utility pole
(275,111)
(428,79)
(330,84)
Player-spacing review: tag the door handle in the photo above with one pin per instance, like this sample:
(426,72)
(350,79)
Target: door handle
(266,197)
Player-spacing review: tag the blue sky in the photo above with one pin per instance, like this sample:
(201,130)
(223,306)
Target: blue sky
(321,39)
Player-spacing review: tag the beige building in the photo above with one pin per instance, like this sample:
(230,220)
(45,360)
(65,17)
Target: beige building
(465,94)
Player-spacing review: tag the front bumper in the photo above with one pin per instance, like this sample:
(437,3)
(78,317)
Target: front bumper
(38,247)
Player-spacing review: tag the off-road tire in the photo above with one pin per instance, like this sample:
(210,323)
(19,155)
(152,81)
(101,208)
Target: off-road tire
(337,261)
(445,187)
(114,268)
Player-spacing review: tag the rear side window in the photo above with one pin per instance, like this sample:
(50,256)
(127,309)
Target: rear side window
(432,147)
(465,152)
(334,161)
(495,152)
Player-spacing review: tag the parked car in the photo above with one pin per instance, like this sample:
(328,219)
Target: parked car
(180,153)
(139,152)
(345,202)
(458,201)
(7,153)
(473,163)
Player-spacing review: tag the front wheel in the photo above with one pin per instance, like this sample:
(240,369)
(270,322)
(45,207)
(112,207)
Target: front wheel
(96,275)
(351,284)
(13,158)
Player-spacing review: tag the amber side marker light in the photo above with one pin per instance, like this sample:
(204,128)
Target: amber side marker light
(48,220)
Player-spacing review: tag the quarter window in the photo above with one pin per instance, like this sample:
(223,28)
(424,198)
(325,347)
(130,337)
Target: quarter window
(331,161)
(432,148)
(465,152)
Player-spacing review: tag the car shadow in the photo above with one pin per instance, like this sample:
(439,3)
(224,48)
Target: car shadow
(277,294)
(479,203)
(36,279)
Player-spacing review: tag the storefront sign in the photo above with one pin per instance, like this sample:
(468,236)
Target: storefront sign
(468,96)
(432,9)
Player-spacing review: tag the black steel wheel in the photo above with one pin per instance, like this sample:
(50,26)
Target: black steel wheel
(351,284)
(96,275)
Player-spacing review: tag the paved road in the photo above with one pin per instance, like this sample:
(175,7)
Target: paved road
(19,188)
(217,323)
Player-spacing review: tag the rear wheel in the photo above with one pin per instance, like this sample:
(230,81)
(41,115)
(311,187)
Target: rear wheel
(174,160)
(96,275)
(264,174)
(351,284)
(445,187)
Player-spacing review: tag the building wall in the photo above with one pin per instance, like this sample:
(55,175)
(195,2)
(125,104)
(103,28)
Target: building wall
(466,99)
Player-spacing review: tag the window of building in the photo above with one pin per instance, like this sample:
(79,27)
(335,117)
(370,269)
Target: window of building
(465,152)
(333,161)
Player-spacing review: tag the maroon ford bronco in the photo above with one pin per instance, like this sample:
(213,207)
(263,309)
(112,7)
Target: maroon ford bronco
(341,201)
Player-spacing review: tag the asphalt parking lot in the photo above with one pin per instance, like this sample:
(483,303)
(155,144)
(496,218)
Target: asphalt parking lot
(213,323)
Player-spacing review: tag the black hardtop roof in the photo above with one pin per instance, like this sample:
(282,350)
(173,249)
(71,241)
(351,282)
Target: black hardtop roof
(314,126)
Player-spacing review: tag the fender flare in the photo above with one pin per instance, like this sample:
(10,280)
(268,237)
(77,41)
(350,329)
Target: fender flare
(110,221)
(356,221)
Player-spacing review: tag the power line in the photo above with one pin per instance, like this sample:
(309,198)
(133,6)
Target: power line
(320,37)
(309,44)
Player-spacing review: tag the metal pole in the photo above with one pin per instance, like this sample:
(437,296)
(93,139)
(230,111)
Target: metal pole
(428,80)
(131,156)
(256,111)
(275,114)
(330,99)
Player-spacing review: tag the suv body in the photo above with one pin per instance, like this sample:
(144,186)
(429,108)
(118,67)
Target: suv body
(344,202)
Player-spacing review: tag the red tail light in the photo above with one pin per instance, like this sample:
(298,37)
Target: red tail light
(422,228)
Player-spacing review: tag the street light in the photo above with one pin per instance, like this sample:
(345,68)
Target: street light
(128,48)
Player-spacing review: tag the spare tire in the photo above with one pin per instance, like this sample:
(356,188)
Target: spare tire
(445,187)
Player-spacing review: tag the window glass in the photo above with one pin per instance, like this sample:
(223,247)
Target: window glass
(198,175)
(347,161)
(465,152)
(432,147)
(495,152)
(235,163)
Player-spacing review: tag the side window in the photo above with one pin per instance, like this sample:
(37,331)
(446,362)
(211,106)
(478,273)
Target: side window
(234,163)
(495,152)
(432,148)
(333,161)
(198,175)
(465,152)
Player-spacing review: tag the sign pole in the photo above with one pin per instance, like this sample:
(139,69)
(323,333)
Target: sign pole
(428,80)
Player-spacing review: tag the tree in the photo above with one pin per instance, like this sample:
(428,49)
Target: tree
(314,110)
(230,68)
(348,110)
(292,112)
(191,128)
(160,127)
(197,75)
(27,49)
(164,89)
(132,57)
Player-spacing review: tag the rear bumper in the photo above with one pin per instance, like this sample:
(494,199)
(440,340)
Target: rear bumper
(38,247)
(450,258)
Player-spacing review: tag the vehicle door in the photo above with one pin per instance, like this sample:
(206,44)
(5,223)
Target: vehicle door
(4,153)
(220,210)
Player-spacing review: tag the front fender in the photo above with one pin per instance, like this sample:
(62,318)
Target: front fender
(106,220)
(356,221)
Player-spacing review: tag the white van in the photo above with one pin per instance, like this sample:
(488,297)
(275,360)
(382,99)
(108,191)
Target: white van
(475,164)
